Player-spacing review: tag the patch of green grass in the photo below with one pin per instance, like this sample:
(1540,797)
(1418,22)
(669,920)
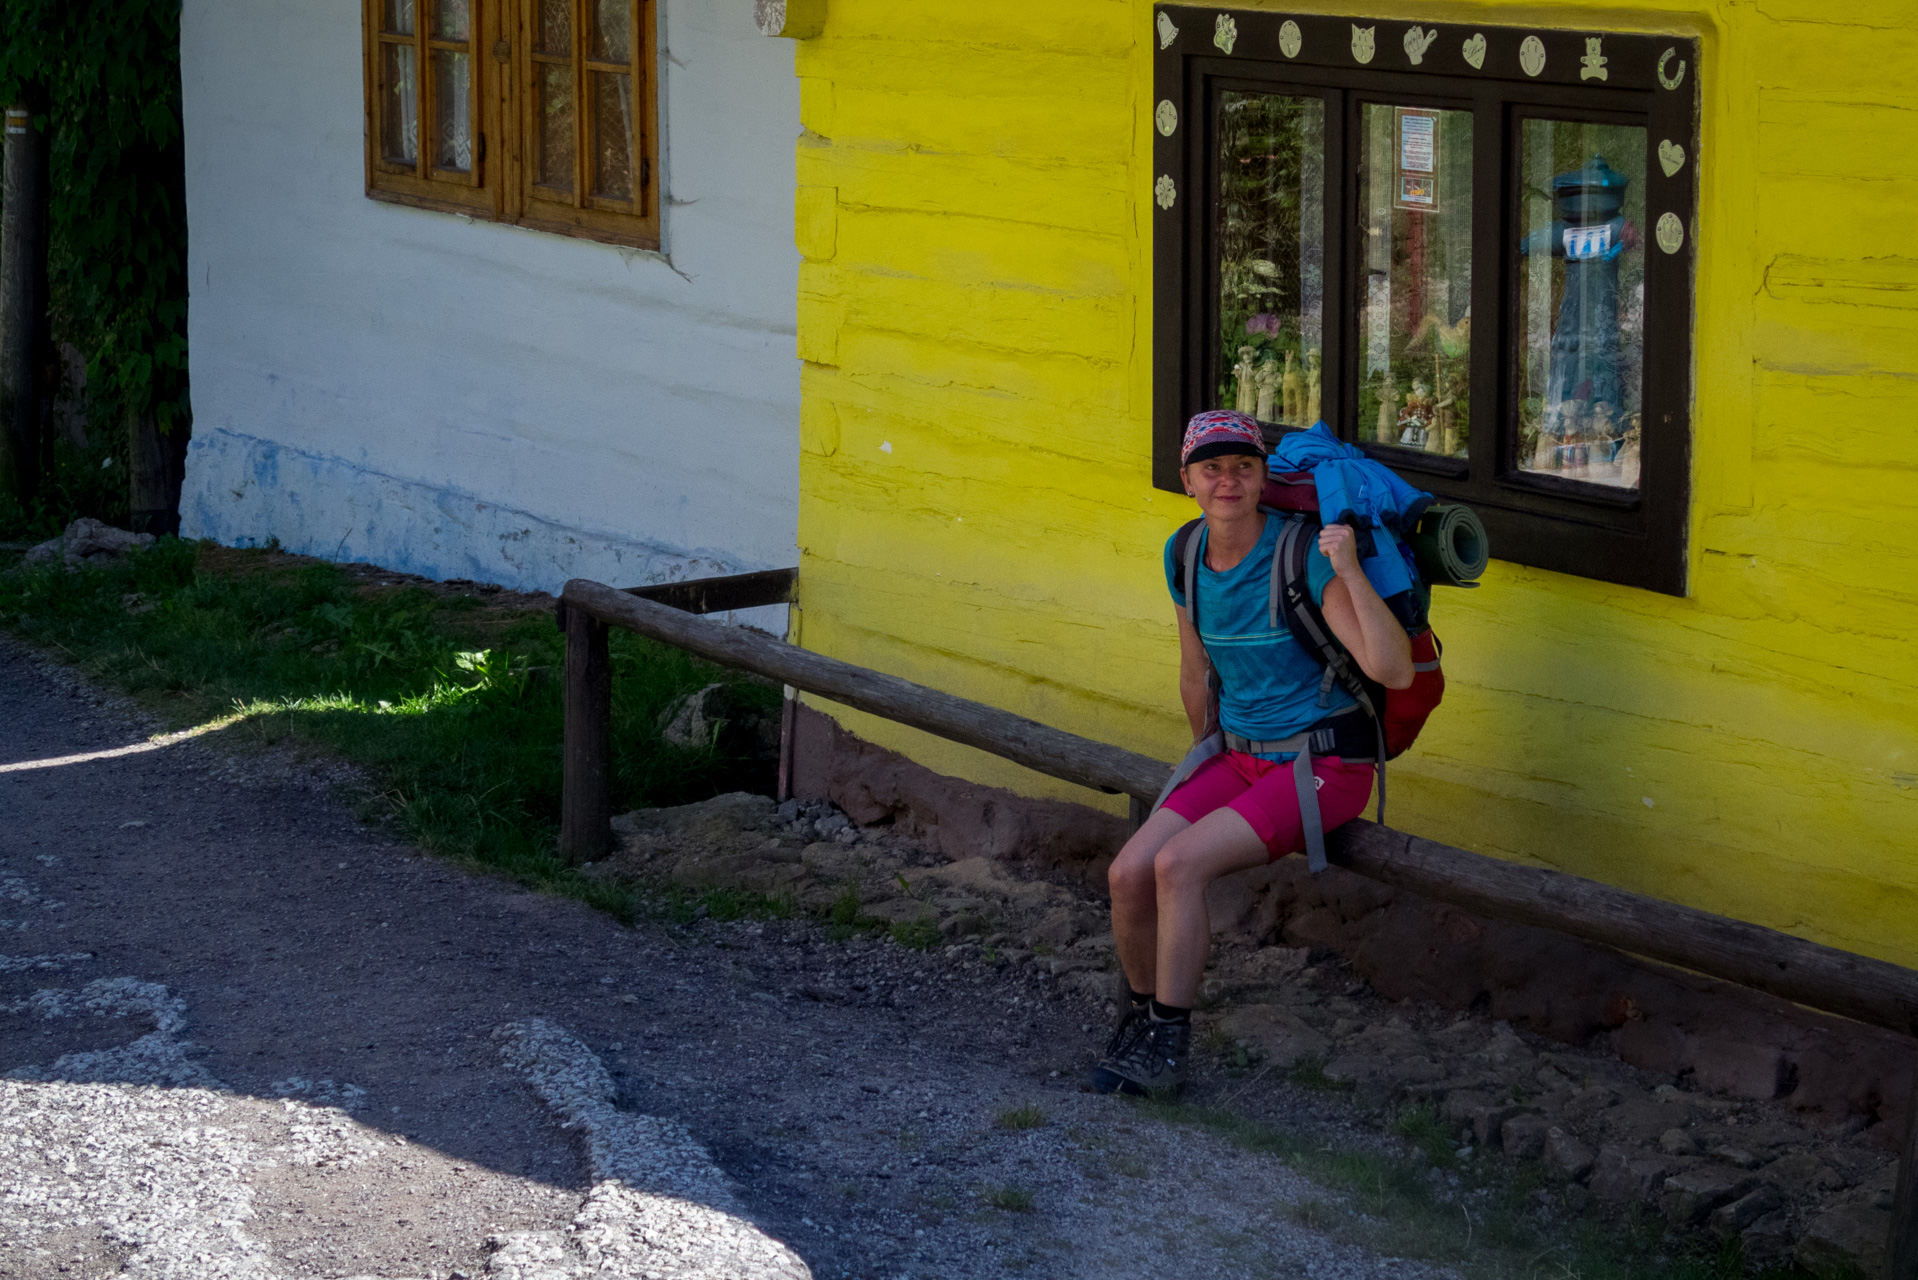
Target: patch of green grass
(1010,1197)
(1487,1218)
(1029,1116)
(918,935)
(681,905)
(1420,1125)
(452,709)
(1309,1073)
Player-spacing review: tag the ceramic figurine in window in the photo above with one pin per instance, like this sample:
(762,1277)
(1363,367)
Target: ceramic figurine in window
(1311,388)
(1628,453)
(1387,430)
(1590,233)
(1247,399)
(1415,420)
(1268,380)
(1294,395)
(1446,416)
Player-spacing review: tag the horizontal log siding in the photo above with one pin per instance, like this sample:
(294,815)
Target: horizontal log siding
(974,213)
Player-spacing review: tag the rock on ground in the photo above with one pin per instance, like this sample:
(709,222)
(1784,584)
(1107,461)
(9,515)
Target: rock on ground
(87,541)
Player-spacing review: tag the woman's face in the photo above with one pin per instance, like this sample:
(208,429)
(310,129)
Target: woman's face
(1226,487)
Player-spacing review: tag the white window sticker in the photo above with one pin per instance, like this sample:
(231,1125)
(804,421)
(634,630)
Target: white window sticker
(1588,242)
(1418,142)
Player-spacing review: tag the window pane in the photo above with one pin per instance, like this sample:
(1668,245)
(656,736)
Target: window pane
(1581,300)
(613,131)
(612,30)
(453,104)
(400,120)
(555,107)
(1415,303)
(452,20)
(1271,236)
(555,26)
(399,17)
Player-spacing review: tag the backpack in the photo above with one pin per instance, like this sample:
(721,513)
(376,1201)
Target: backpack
(1385,722)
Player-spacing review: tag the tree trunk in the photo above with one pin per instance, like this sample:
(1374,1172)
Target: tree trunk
(156,464)
(23,303)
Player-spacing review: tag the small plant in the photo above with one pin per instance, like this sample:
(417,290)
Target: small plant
(1313,1215)
(1420,1126)
(1309,1073)
(844,918)
(1010,1197)
(918,935)
(1028,1116)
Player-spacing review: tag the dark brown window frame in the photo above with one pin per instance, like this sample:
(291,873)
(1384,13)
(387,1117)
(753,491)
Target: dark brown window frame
(500,186)
(1635,538)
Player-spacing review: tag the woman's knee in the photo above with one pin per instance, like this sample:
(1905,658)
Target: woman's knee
(1129,878)
(1179,867)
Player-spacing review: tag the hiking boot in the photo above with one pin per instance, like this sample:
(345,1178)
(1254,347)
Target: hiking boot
(1133,1023)
(1153,1065)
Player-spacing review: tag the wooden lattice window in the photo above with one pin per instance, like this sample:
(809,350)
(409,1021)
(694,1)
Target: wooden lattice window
(540,112)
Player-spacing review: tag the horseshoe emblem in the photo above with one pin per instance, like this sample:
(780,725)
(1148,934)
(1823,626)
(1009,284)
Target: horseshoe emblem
(1671,81)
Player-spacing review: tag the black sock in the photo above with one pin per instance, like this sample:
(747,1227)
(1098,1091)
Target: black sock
(1170,1013)
(1137,999)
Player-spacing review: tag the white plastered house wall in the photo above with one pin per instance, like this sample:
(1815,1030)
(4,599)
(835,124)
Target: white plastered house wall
(463,399)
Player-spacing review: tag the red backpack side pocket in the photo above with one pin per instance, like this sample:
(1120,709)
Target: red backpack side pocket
(1406,710)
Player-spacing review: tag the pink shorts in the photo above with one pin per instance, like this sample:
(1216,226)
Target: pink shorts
(1264,794)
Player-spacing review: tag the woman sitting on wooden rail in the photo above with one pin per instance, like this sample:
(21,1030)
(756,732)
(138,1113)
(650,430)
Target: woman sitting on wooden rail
(1254,697)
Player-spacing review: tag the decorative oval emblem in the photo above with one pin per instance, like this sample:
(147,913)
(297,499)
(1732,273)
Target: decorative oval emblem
(1677,77)
(1167,32)
(1531,55)
(1226,33)
(1363,45)
(1417,42)
(1474,51)
(1671,233)
(1167,117)
(1671,157)
(1289,38)
(1165,193)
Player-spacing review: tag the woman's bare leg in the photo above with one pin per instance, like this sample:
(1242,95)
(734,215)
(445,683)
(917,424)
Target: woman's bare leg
(1217,844)
(1135,898)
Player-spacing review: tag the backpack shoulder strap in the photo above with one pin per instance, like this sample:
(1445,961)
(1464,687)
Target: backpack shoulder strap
(1186,546)
(1292,600)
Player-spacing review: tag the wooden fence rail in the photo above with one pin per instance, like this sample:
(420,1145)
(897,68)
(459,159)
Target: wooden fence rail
(1854,986)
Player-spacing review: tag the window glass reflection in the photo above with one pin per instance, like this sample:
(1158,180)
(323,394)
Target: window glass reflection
(1415,302)
(1271,238)
(1581,300)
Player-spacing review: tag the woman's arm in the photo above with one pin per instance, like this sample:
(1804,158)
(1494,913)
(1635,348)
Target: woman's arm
(1195,689)
(1358,617)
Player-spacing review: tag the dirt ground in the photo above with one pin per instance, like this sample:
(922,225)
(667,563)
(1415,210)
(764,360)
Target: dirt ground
(242,1034)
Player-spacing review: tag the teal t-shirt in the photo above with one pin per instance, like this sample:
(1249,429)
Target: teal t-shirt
(1270,685)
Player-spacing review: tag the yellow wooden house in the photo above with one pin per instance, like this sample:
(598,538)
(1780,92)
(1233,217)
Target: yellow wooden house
(1636,281)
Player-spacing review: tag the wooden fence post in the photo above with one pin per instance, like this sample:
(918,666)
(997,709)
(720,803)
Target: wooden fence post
(1901,1250)
(23,302)
(586,806)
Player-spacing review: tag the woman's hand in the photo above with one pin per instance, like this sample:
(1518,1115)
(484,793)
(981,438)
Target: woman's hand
(1362,622)
(1340,543)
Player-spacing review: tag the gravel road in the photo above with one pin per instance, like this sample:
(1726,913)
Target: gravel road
(243,1035)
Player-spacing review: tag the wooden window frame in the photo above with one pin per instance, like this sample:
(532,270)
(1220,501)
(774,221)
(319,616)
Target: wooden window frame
(500,186)
(1632,537)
